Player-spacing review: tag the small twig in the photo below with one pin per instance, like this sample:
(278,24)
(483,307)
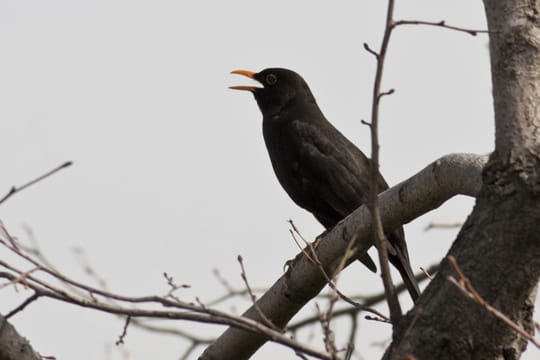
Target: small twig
(352,337)
(23,305)
(171,331)
(427,273)
(124,331)
(328,334)
(264,319)
(367,302)
(46,357)
(371,51)
(222,280)
(466,287)
(87,267)
(230,290)
(20,279)
(376,318)
(302,249)
(173,286)
(301,356)
(15,189)
(331,283)
(433,225)
(325,318)
(442,24)
(10,238)
(188,351)
(364,122)
(385,93)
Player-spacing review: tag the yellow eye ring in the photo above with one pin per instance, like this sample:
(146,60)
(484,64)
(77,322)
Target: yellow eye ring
(271,79)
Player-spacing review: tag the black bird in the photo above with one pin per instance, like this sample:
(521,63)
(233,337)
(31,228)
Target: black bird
(321,170)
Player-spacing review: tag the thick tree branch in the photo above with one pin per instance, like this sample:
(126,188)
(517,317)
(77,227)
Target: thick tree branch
(449,176)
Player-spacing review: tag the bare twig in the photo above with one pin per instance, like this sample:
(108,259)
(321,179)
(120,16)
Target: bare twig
(46,357)
(294,231)
(385,93)
(312,256)
(377,229)
(174,309)
(173,286)
(143,324)
(375,318)
(433,225)
(352,337)
(124,331)
(21,279)
(427,273)
(222,280)
(367,302)
(442,24)
(8,235)
(230,290)
(328,334)
(198,314)
(188,351)
(23,305)
(253,298)
(15,189)
(35,250)
(371,51)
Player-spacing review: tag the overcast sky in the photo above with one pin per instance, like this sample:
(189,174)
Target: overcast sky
(170,170)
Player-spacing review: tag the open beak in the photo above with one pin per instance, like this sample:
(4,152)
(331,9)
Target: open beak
(249,74)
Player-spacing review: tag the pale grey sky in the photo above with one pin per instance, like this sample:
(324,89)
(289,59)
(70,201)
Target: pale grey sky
(170,171)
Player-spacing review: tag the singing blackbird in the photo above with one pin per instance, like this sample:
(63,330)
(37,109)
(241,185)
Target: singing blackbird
(321,170)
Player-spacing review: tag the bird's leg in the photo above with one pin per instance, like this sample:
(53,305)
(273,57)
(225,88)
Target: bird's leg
(308,251)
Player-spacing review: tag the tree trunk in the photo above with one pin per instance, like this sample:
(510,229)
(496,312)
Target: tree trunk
(12,345)
(498,248)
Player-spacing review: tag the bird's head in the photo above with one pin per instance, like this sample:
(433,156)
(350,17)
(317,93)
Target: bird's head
(279,88)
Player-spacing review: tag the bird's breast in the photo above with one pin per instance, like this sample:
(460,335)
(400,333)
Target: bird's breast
(284,147)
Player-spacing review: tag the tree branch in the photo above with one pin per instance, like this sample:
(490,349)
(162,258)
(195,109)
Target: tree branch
(377,228)
(15,189)
(448,176)
(441,24)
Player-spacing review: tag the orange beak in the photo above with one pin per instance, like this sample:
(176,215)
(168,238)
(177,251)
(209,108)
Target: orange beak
(249,74)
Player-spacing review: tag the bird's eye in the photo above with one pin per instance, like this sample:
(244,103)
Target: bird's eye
(271,79)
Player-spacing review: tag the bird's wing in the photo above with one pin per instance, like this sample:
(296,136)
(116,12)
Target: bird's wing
(333,166)
(338,174)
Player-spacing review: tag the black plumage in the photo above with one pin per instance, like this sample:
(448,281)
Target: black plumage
(321,170)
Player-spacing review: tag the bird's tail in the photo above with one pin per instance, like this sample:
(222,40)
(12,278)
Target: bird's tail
(368,262)
(399,257)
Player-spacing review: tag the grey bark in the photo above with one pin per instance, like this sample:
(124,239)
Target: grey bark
(12,345)
(498,247)
(450,175)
